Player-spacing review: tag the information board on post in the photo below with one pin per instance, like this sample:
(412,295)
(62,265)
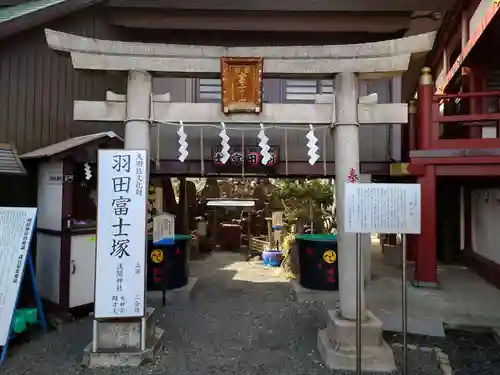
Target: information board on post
(16,229)
(382,208)
(121,234)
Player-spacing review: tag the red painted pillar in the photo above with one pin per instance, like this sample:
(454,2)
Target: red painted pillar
(411,239)
(409,132)
(411,247)
(412,125)
(425,103)
(426,262)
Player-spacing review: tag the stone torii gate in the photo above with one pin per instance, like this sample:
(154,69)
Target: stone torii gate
(343,110)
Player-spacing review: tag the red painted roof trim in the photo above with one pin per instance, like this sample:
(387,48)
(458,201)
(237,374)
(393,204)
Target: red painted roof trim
(474,38)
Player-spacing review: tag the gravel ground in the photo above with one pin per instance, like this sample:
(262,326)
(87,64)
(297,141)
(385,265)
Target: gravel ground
(241,320)
(421,360)
(469,353)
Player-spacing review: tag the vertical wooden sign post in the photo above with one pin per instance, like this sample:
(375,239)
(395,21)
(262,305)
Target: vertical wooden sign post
(383,208)
(16,230)
(120,278)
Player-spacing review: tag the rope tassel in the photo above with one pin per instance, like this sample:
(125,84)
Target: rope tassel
(225,144)
(312,145)
(183,145)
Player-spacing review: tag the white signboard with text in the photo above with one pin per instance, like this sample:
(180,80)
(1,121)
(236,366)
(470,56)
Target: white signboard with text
(164,227)
(382,208)
(16,229)
(121,234)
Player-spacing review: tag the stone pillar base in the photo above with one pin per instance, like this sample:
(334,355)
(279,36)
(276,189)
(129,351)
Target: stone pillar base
(119,343)
(337,344)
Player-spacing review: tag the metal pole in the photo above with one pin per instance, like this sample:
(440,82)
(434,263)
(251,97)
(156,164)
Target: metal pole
(249,235)
(214,234)
(404,307)
(311,216)
(143,333)
(359,281)
(95,334)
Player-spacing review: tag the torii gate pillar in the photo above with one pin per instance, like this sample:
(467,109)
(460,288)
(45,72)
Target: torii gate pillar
(346,147)
(337,343)
(139,91)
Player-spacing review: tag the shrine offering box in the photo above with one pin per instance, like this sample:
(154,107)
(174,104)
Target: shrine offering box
(318,261)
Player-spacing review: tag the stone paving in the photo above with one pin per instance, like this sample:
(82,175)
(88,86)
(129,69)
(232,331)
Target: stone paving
(462,300)
(242,319)
(468,353)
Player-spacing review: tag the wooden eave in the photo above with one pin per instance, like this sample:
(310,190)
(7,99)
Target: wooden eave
(291,5)
(449,27)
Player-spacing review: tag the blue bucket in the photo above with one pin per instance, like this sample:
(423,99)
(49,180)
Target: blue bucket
(272,258)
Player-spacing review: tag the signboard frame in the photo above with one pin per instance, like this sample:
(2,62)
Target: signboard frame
(10,297)
(382,208)
(130,277)
(23,258)
(164,229)
(241,84)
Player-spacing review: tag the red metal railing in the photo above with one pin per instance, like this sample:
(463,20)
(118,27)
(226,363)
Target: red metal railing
(460,130)
(471,117)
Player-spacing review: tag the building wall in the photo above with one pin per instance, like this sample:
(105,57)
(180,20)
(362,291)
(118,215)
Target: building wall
(485,211)
(38,86)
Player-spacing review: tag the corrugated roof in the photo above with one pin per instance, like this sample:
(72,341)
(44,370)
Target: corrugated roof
(17,18)
(9,160)
(17,11)
(66,145)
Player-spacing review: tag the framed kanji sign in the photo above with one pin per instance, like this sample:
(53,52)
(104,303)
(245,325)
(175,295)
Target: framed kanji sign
(241,83)
(250,156)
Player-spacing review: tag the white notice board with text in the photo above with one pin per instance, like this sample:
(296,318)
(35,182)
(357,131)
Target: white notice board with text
(121,234)
(382,208)
(16,229)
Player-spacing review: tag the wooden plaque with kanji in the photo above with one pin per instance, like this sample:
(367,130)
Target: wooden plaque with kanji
(241,82)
